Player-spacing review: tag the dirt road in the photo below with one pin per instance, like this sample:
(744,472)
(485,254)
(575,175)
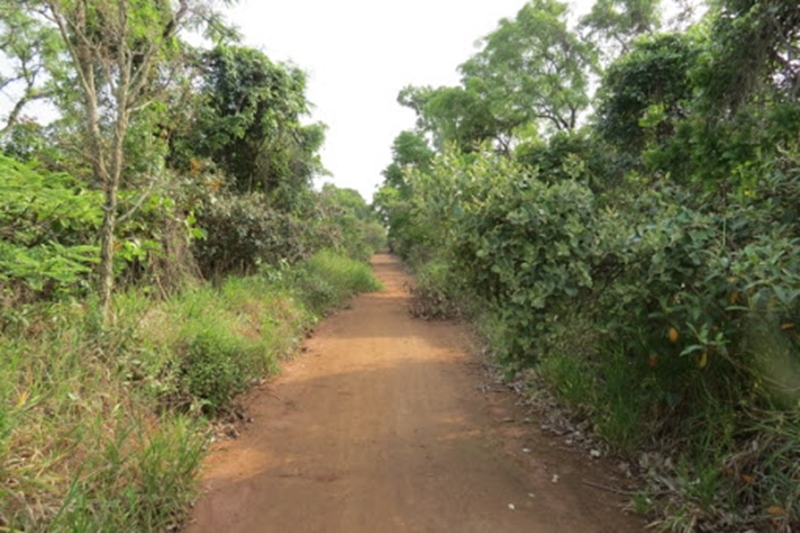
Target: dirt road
(383,425)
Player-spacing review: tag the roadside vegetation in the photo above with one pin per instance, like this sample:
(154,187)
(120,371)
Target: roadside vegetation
(633,250)
(161,251)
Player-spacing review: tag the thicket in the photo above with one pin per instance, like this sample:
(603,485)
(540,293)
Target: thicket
(645,266)
(162,249)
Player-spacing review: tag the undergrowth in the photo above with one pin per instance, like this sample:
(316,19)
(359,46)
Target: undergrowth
(105,429)
(670,326)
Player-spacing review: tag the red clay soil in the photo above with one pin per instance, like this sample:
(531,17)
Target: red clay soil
(382,425)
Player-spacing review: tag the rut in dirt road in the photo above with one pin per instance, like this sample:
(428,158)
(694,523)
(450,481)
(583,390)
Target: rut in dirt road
(382,426)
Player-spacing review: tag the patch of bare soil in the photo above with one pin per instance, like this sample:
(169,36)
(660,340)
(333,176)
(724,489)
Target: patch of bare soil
(386,423)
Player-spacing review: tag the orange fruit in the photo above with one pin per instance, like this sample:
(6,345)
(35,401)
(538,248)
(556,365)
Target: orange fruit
(673,335)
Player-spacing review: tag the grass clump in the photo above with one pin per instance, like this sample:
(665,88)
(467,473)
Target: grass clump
(79,449)
(328,278)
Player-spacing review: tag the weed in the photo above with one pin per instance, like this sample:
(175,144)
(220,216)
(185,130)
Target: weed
(571,379)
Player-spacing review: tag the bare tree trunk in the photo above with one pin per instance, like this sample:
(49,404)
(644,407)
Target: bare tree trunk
(106,280)
(113,178)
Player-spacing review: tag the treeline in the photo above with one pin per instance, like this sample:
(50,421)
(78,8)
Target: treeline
(635,247)
(161,249)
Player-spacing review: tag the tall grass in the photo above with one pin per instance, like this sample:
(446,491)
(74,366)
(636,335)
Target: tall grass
(104,430)
(79,449)
(328,278)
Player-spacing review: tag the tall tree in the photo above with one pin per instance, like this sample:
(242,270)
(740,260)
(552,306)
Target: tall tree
(30,50)
(534,66)
(249,122)
(408,150)
(119,55)
(461,115)
(754,50)
(614,24)
(651,82)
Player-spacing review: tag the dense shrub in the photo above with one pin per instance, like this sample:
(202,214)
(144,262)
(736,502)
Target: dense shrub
(244,232)
(662,314)
(328,278)
(436,291)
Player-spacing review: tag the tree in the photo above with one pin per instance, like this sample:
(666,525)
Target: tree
(249,122)
(30,50)
(754,48)
(615,24)
(349,201)
(408,150)
(648,87)
(119,56)
(534,67)
(460,115)
(531,76)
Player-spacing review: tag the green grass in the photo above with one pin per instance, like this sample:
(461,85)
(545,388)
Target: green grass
(327,279)
(104,430)
(78,450)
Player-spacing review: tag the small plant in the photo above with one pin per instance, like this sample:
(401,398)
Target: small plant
(218,365)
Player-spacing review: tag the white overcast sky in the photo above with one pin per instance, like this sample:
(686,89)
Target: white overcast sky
(358,55)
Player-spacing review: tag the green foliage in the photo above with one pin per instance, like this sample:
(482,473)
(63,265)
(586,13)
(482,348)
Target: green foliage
(750,54)
(658,312)
(647,92)
(572,156)
(531,74)
(29,50)
(78,451)
(392,203)
(360,234)
(218,364)
(436,291)
(165,163)
(375,236)
(409,150)
(534,65)
(249,123)
(615,24)
(460,115)
(48,223)
(644,268)
(518,242)
(244,232)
